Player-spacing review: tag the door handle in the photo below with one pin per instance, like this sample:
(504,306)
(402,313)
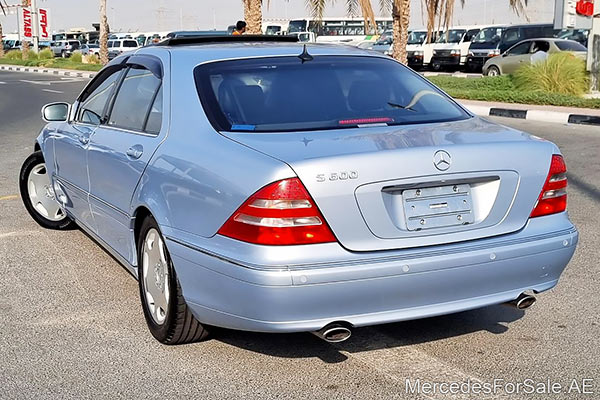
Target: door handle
(135,152)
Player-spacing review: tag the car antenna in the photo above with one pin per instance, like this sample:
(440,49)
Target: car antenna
(305,56)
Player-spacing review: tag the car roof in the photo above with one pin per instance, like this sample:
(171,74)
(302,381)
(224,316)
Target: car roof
(548,39)
(188,56)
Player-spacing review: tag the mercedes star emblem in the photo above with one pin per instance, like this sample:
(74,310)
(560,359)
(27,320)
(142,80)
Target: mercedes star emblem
(442,160)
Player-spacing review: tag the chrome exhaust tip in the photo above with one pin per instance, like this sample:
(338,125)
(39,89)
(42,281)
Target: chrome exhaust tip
(334,332)
(523,302)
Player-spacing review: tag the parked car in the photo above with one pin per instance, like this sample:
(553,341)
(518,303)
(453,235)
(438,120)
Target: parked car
(285,187)
(64,48)
(578,35)
(11,45)
(522,53)
(87,49)
(383,44)
(495,40)
(451,49)
(119,46)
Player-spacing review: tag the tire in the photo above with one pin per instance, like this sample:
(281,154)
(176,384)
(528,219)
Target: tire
(63,54)
(436,67)
(493,71)
(172,323)
(38,195)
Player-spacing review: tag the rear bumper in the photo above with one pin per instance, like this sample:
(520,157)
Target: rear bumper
(382,290)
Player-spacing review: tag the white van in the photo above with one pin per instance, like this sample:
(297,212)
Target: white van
(451,49)
(419,51)
(118,46)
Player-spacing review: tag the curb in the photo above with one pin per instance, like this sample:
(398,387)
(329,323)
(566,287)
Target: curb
(535,115)
(51,71)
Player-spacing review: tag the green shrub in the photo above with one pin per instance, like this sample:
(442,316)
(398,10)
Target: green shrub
(76,57)
(46,54)
(503,82)
(561,73)
(502,89)
(14,55)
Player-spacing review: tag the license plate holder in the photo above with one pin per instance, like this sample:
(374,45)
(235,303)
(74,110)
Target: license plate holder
(437,207)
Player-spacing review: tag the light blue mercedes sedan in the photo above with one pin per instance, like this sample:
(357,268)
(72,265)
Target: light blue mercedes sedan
(259,184)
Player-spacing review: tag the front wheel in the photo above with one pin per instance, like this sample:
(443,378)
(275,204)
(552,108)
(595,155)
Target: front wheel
(492,71)
(38,195)
(168,317)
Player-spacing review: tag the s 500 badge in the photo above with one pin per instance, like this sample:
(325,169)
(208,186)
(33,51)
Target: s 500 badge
(337,176)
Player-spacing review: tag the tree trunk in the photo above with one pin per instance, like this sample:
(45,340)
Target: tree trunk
(253,16)
(25,45)
(401,20)
(103,33)
(1,43)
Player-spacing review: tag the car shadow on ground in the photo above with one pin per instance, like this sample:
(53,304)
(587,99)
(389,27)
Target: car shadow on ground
(493,319)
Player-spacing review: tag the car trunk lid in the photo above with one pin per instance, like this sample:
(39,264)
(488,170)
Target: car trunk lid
(383,188)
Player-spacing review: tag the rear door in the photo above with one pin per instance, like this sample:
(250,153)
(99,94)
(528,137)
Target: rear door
(120,149)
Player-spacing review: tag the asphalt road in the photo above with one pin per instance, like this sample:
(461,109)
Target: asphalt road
(71,325)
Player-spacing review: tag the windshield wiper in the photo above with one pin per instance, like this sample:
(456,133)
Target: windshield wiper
(401,106)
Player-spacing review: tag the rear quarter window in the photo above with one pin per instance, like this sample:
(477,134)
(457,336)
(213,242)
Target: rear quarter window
(566,45)
(329,92)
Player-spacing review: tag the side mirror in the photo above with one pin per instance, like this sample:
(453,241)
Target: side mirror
(56,112)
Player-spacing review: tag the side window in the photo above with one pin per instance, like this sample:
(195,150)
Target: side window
(540,45)
(92,108)
(134,99)
(470,35)
(512,35)
(520,49)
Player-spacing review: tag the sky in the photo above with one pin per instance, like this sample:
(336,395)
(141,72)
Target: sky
(159,15)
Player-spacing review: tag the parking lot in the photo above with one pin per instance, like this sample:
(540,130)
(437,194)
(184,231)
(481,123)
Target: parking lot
(72,325)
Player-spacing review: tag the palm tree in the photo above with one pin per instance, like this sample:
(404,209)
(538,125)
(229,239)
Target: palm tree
(253,16)
(103,33)
(400,24)
(25,45)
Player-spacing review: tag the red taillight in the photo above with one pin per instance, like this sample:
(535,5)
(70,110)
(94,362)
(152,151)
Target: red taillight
(282,213)
(359,121)
(553,198)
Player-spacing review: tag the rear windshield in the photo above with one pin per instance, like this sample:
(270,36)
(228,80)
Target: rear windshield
(328,92)
(568,45)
